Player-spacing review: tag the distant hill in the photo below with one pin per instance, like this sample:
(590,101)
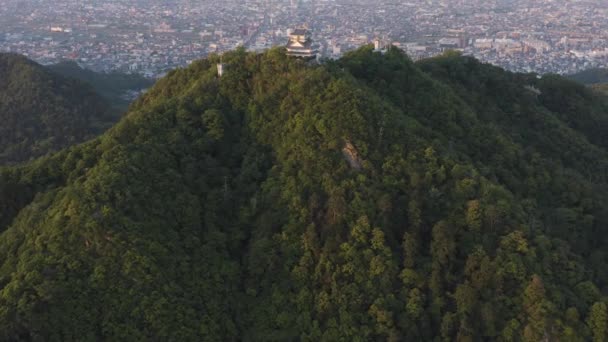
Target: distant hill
(369,198)
(601,88)
(591,76)
(41,112)
(116,87)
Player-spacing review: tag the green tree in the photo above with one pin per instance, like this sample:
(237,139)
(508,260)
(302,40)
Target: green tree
(537,308)
(597,321)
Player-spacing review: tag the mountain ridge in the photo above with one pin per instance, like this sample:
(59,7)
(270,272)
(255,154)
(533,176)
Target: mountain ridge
(43,112)
(112,86)
(591,76)
(225,209)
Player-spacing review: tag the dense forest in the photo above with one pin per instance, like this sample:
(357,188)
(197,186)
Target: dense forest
(591,76)
(42,112)
(112,86)
(368,198)
(601,88)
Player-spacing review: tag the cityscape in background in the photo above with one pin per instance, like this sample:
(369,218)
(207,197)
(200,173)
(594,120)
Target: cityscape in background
(151,37)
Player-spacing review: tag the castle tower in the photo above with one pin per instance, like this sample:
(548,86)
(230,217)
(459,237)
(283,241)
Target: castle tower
(301,45)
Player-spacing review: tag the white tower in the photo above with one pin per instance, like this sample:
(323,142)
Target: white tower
(377,45)
(220,69)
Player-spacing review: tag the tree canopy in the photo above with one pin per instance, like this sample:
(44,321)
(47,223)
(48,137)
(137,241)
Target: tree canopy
(591,76)
(368,198)
(112,86)
(41,112)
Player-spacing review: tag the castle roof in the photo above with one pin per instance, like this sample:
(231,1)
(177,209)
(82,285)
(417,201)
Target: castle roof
(300,44)
(295,45)
(300,32)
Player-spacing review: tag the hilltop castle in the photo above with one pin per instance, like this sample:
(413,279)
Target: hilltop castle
(301,45)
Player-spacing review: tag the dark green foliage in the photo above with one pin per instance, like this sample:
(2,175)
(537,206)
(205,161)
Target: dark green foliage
(41,112)
(370,198)
(579,107)
(112,86)
(601,89)
(591,76)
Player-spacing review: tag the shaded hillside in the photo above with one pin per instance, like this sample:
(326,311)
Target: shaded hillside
(591,76)
(114,87)
(601,88)
(533,110)
(41,112)
(370,198)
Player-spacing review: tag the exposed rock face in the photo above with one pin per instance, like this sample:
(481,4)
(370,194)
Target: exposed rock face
(351,155)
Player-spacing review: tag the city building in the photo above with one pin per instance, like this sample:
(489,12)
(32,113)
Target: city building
(558,36)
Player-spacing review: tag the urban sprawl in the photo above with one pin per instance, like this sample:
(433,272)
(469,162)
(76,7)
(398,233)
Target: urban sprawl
(153,36)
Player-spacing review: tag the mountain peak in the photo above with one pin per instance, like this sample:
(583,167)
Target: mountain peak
(368,198)
(41,111)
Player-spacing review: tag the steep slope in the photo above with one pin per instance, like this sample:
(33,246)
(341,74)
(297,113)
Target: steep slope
(114,87)
(42,112)
(370,198)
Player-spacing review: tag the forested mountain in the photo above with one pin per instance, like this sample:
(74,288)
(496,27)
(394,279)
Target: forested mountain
(596,79)
(369,198)
(601,88)
(112,86)
(41,112)
(591,76)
